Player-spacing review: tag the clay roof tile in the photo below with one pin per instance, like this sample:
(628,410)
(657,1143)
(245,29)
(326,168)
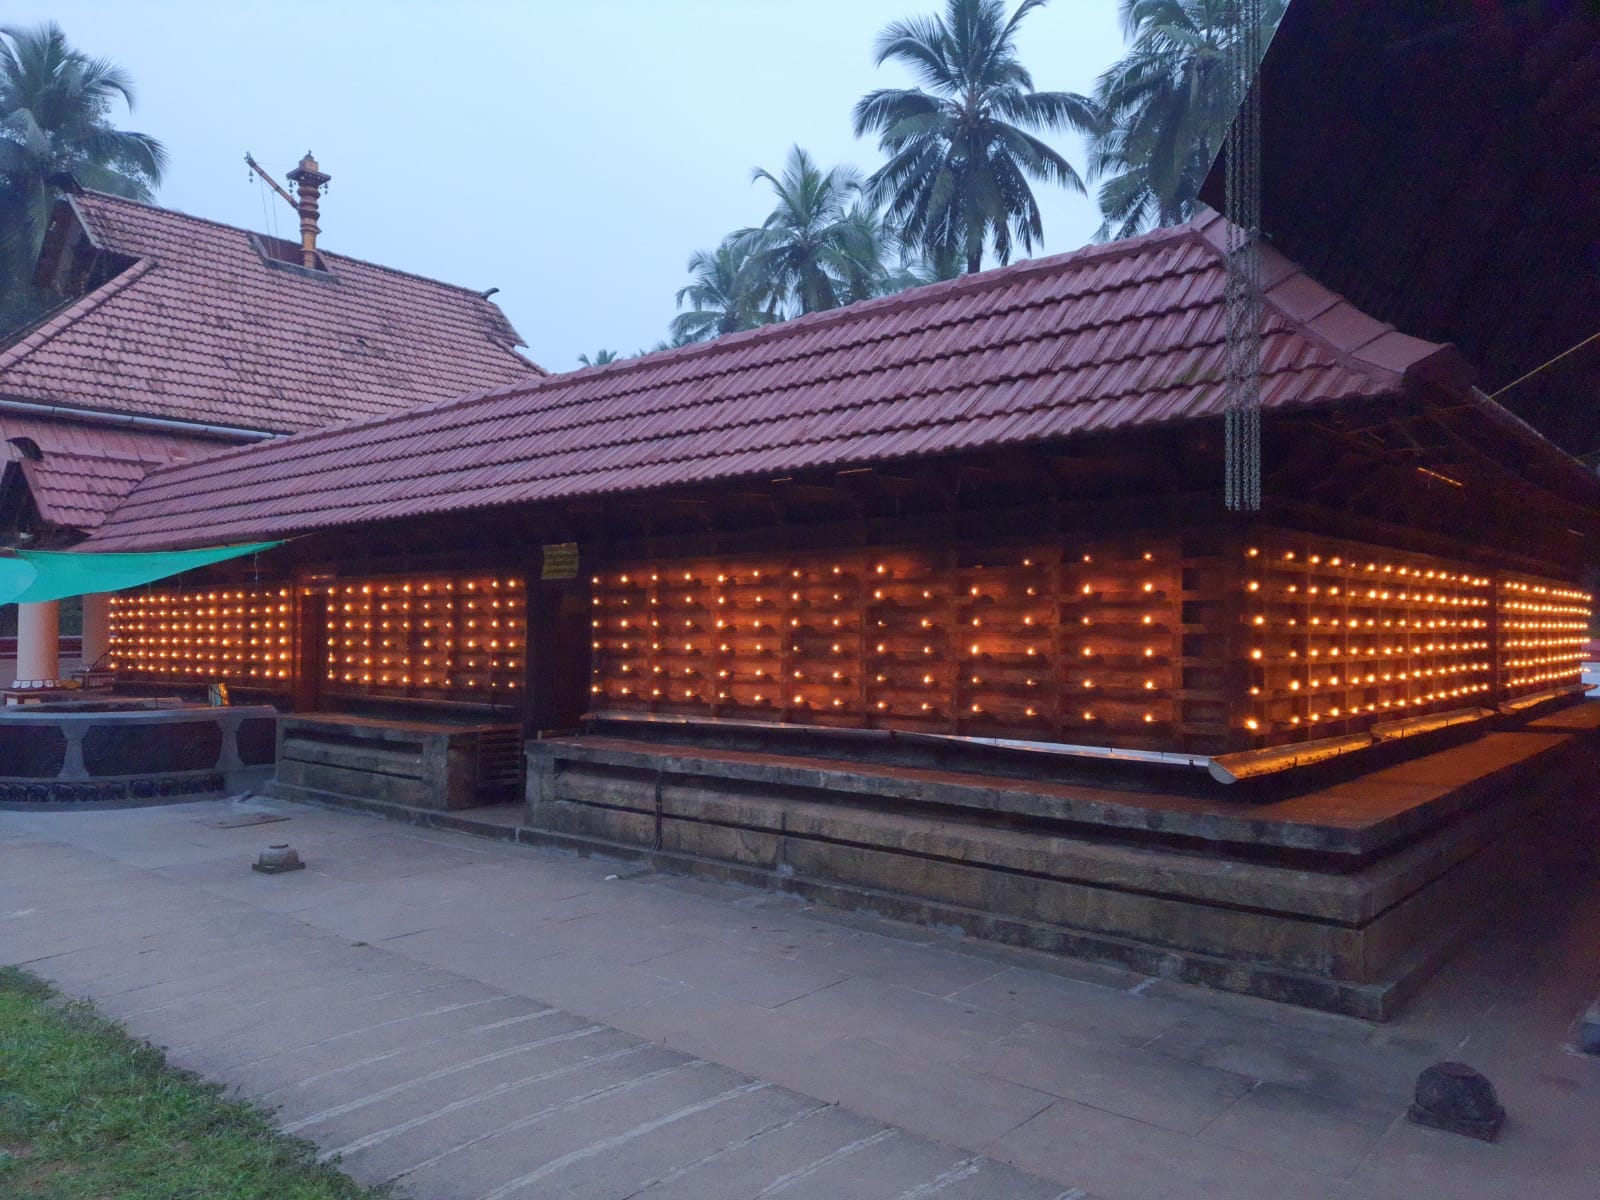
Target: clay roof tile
(199,327)
(1107,338)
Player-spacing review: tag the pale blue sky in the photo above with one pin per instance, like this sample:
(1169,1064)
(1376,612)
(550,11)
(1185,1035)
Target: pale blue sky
(572,154)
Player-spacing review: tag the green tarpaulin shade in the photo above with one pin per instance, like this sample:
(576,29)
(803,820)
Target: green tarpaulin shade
(34,576)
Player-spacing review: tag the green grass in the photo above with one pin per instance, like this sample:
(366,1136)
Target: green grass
(89,1113)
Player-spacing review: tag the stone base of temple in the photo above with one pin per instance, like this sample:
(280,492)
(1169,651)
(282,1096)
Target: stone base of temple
(416,764)
(1342,896)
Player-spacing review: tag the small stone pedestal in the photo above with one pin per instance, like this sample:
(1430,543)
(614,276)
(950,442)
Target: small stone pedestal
(275,860)
(1453,1097)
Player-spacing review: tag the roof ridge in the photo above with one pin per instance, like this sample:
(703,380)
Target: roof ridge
(23,332)
(66,317)
(212,221)
(902,301)
(238,346)
(906,300)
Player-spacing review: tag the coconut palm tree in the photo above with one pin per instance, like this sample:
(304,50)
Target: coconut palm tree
(728,293)
(600,359)
(55,105)
(919,269)
(962,148)
(817,248)
(896,264)
(1164,109)
(877,259)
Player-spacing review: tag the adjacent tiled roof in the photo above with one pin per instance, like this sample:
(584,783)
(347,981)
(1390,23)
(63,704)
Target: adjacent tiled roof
(1110,337)
(199,328)
(77,491)
(87,469)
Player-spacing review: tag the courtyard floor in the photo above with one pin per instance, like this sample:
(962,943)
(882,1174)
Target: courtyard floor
(475,1019)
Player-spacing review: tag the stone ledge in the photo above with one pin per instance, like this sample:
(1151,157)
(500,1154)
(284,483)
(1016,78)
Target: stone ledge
(416,763)
(1358,819)
(1355,933)
(1329,894)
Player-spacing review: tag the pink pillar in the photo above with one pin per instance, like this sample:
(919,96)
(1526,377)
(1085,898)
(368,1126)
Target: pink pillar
(38,636)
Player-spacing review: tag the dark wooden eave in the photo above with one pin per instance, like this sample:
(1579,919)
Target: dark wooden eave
(1437,162)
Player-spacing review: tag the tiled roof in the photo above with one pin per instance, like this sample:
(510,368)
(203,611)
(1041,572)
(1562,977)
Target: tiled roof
(87,469)
(77,491)
(1110,337)
(199,328)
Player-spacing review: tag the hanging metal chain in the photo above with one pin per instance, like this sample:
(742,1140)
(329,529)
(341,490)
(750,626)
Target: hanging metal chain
(1242,152)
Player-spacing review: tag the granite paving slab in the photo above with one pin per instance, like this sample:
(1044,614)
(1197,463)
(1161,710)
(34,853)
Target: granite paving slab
(482,1020)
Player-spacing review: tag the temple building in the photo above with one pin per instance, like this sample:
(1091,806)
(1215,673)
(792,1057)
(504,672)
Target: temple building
(987,508)
(178,337)
(937,604)
(935,596)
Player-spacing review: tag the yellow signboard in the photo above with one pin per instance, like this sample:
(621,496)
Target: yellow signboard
(560,561)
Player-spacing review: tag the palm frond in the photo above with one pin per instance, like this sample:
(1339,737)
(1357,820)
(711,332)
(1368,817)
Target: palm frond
(920,44)
(887,107)
(56,105)
(1166,106)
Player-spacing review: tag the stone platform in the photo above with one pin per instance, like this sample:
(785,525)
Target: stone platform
(1344,897)
(121,750)
(420,764)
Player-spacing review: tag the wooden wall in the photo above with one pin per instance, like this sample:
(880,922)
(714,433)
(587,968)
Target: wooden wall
(446,637)
(1543,627)
(1073,644)
(1152,641)
(1130,643)
(440,637)
(1096,594)
(1341,635)
(239,635)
